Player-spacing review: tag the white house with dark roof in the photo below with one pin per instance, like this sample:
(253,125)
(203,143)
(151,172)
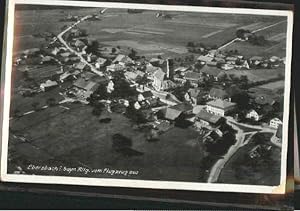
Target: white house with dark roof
(220,107)
(275,123)
(254,114)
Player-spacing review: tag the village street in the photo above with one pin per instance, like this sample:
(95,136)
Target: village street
(60,38)
(240,142)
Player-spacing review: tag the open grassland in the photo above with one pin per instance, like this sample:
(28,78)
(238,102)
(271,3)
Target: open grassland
(76,138)
(256,75)
(142,28)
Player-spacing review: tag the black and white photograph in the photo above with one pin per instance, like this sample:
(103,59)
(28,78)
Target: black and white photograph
(146,96)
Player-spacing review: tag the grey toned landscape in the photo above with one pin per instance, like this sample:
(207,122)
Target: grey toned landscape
(143,94)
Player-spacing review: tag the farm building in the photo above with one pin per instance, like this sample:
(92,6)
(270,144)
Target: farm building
(213,72)
(208,119)
(193,77)
(216,93)
(205,59)
(48,85)
(85,85)
(220,107)
(173,112)
(123,60)
(115,67)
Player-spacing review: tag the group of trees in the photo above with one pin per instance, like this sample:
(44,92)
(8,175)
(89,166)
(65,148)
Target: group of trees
(251,37)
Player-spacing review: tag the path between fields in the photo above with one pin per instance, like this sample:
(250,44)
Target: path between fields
(240,142)
(67,100)
(255,31)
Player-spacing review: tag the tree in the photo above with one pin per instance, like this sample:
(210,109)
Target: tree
(93,47)
(113,50)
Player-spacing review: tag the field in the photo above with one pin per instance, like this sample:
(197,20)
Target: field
(145,32)
(277,46)
(273,86)
(241,170)
(76,138)
(256,75)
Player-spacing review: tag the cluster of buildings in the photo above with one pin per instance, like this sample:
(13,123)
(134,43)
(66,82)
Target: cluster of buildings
(155,80)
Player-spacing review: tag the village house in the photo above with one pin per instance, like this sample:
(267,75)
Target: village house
(216,93)
(254,114)
(207,119)
(213,72)
(193,77)
(256,60)
(123,60)
(48,85)
(173,112)
(193,95)
(80,66)
(275,123)
(220,107)
(205,59)
(115,67)
(79,45)
(156,62)
(69,76)
(100,62)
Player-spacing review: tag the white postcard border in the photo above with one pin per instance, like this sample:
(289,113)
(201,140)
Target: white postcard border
(144,183)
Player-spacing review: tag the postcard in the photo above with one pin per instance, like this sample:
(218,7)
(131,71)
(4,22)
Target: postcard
(146,96)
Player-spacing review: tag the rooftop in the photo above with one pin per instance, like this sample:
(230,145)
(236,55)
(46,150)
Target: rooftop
(208,117)
(223,104)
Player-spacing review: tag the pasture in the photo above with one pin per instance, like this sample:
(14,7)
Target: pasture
(76,138)
(145,29)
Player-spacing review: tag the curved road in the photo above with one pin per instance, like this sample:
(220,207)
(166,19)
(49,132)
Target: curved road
(240,142)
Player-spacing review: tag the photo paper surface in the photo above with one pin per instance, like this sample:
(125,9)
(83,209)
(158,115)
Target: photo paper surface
(146,96)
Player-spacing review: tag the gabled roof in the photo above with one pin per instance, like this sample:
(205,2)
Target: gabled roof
(194,92)
(101,60)
(182,107)
(172,114)
(205,58)
(159,74)
(86,85)
(223,104)
(208,117)
(213,71)
(130,75)
(167,84)
(147,94)
(122,58)
(218,93)
(79,43)
(80,65)
(190,75)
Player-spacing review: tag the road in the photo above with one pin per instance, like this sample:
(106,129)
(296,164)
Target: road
(255,31)
(240,142)
(60,38)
